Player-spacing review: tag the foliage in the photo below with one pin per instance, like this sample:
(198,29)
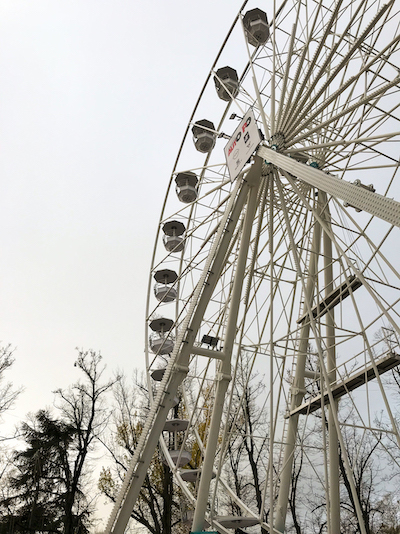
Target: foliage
(38,482)
(48,485)
(160,506)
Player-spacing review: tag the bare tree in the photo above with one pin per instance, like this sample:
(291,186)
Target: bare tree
(48,490)
(8,394)
(82,406)
(247,424)
(161,506)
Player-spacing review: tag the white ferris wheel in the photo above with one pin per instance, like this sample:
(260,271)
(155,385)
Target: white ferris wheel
(275,284)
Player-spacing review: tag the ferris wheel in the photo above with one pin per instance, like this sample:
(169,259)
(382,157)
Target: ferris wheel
(274,296)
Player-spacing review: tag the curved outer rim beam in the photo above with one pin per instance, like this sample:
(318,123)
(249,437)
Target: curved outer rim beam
(382,207)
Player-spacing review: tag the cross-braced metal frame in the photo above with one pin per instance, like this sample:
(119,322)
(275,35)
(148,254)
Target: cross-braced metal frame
(288,276)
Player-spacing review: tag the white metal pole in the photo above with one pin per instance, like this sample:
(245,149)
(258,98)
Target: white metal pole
(271,358)
(224,371)
(333,444)
(177,367)
(297,389)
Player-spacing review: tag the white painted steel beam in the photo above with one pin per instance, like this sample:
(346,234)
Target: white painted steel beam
(179,361)
(334,469)
(382,207)
(224,371)
(352,382)
(208,353)
(297,389)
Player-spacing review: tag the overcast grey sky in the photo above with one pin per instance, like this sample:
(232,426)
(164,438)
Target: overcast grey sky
(95,96)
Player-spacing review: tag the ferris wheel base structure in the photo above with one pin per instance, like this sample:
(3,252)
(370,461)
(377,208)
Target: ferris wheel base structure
(272,331)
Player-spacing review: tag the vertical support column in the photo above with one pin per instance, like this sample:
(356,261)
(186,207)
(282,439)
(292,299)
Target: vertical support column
(177,366)
(224,370)
(297,389)
(271,355)
(333,444)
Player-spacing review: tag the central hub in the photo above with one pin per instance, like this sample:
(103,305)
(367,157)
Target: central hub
(277,141)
